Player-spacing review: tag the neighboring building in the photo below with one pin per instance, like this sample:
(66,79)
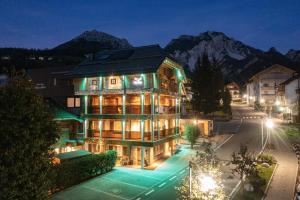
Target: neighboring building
(131,101)
(51,84)
(234,90)
(262,87)
(70,127)
(289,93)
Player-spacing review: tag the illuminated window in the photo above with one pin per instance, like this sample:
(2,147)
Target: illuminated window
(113,81)
(73,102)
(77,102)
(70,102)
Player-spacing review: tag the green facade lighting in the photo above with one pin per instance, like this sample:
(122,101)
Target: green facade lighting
(124,104)
(142,103)
(154,80)
(100,83)
(145,80)
(85,104)
(179,74)
(83,84)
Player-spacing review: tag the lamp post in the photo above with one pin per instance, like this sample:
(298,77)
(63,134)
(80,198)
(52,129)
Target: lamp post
(190,178)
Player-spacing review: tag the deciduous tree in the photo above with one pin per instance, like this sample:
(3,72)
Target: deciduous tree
(27,131)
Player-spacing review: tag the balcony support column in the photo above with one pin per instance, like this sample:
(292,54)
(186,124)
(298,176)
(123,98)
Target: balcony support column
(85,104)
(123,129)
(142,139)
(124,104)
(100,103)
(142,103)
(152,129)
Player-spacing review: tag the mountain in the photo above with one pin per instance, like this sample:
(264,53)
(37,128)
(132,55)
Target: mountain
(293,55)
(91,42)
(68,53)
(237,60)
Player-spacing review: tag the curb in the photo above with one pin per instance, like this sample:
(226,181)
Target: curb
(269,183)
(234,191)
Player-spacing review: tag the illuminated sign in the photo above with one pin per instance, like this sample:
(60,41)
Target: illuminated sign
(137,80)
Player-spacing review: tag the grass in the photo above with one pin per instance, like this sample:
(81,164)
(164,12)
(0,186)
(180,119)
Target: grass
(293,133)
(264,173)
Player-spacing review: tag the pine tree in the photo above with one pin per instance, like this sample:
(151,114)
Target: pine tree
(207,86)
(226,102)
(27,131)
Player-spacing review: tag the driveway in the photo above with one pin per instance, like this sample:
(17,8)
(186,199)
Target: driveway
(129,183)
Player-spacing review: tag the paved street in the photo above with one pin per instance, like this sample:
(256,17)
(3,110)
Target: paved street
(127,183)
(282,185)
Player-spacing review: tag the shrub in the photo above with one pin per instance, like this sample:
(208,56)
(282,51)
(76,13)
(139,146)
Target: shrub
(74,171)
(265,158)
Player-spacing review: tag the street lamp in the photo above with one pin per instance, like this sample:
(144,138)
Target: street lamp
(207,183)
(269,123)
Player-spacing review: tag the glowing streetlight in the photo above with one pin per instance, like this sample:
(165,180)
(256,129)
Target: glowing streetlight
(269,123)
(207,183)
(262,101)
(245,96)
(277,103)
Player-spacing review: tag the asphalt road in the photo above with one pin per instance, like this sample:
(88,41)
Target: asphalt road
(248,131)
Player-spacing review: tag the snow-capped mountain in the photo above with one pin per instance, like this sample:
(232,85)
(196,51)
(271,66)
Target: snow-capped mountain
(219,47)
(92,41)
(237,60)
(293,55)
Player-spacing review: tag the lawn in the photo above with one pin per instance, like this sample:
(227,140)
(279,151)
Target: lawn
(264,173)
(293,133)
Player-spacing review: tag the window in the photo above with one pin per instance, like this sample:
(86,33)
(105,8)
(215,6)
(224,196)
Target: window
(94,82)
(77,102)
(70,102)
(266,85)
(113,81)
(73,102)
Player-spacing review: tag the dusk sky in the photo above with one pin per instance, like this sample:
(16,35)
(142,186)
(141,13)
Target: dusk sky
(45,24)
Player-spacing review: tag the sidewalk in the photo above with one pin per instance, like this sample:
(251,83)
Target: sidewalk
(284,179)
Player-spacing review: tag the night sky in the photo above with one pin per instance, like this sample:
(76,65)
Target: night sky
(45,24)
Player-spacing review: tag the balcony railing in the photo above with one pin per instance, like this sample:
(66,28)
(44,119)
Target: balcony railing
(111,109)
(109,134)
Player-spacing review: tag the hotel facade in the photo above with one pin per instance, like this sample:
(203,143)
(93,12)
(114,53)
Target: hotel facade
(131,103)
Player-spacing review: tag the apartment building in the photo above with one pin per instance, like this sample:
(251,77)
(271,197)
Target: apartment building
(262,88)
(130,102)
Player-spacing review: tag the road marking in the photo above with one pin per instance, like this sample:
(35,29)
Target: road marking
(138,198)
(172,178)
(162,184)
(149,192)
(223,142)
(181,171)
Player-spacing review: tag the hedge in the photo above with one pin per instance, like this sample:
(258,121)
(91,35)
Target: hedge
(75,171)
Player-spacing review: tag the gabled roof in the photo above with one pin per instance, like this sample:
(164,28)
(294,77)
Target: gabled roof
(297,76)
(145,59)
(60,113)
(271,67)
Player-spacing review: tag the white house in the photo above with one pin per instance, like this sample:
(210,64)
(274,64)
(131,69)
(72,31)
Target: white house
(262,87)
(290,91)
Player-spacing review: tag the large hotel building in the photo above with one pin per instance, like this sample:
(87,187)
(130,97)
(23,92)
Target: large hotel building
(130,102)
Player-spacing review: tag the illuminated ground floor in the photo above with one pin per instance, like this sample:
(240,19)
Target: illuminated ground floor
(133,153)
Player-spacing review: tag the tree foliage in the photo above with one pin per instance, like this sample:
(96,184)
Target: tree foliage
(226,102)
(191,133)
(204,165)
(27,131)
(245,164)
(207,86)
